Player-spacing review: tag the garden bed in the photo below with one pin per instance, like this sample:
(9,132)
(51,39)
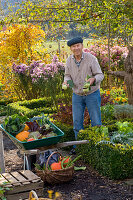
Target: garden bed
(87,183)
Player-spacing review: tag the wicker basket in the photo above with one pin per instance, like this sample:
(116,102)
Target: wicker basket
(33,195)
(58,176)
(41,174)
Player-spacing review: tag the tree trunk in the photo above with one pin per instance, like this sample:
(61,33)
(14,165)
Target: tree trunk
(129,85)
(128,79)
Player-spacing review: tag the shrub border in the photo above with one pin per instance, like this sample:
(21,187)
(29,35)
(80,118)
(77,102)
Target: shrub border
(32,107)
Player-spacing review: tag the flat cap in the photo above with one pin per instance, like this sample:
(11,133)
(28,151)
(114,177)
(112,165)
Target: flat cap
(75,41)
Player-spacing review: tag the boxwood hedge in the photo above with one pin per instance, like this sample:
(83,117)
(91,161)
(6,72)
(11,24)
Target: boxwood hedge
(113,161)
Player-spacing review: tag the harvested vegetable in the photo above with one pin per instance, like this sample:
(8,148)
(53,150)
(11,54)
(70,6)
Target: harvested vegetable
(64,87)
(65,160)
(35,134)
(33,126)
(72,161)
(71,84)
(13,126)
(87,86)
(56,166)
(37,128)
(26,128)
(22,135)
(30,139)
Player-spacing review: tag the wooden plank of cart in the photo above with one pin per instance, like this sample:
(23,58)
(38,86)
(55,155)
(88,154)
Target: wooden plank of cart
(38,146)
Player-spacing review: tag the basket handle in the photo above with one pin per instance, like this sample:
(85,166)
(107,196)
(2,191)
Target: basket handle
(32,192)
(56,152)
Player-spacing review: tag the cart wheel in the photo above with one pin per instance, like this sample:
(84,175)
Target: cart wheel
(29,161)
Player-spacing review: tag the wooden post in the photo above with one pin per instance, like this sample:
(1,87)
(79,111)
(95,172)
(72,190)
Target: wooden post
(2,162)
(59,46)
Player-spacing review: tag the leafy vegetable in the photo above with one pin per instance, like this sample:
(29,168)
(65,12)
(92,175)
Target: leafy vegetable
(13,126)
(124,127)
(37,166)
(36,135)
(71,84)
(103,130)
(34,126)
(44,130)
(87,86)
(123,135)
(37,127)
(42,120)
(122,138)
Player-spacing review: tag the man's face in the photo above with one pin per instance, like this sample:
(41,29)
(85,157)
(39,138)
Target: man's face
(77,49)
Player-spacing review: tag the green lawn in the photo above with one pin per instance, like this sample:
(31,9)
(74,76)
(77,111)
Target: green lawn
(54,46)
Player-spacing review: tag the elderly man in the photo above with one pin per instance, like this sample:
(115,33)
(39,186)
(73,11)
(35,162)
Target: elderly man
(83,67)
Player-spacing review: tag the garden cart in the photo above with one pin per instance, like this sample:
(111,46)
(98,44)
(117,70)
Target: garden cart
(32,148)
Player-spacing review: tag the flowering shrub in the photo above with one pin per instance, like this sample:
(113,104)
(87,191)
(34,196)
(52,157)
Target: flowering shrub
(117,56)
(20,69)
(40,70)
(40,79)
(119,95)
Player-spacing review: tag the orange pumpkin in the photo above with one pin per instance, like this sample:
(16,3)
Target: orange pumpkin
(22,135)
(56,166)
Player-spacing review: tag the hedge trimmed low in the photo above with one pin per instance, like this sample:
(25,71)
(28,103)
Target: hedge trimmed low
(113,161)
(67,129)
(32,107)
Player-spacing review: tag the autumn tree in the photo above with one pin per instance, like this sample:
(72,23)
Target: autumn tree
(17,45)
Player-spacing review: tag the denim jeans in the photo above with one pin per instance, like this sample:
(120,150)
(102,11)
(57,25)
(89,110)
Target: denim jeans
(79,103)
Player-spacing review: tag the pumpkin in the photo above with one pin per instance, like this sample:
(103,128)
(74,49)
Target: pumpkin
(22,135)
(56,166)
(26,128)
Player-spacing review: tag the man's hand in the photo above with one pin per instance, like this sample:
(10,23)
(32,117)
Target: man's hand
(65,85)
(91,80)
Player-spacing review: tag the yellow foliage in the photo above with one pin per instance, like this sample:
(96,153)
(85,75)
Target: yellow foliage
(16,45)
(17,40)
